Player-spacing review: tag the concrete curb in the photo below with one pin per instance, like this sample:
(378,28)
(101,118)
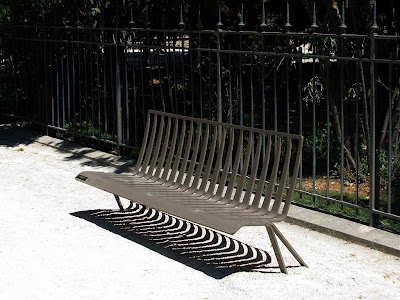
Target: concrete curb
(361,234)
(338,227)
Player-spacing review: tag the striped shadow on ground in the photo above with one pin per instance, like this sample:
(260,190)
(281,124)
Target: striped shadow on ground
(209,251)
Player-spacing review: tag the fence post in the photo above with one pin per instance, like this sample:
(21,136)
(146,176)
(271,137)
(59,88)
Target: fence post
(373,200)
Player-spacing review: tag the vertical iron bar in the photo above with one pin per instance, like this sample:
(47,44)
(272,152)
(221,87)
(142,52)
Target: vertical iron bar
(314,152)
(68,79)
(91,67)
(118,105)
(134,80)
(357,123)
(219,83)
(51,86)
(251,104)
(230,96)
(127,96)
(62,88)
(167,50)
(240,95)
(373,219)
(287,86)
(73,87)
(175,79)
(263,106)
(113,100)
(191,79)
(105,90)
(57,90)
(85,83)
(210,89)
(389,208)
(150,64)
(46,80)
(230,86)
(200,76)
(103,47)
(240,88)
(183,72)
(300,87)
(275,98)
(160,80)
(79,78)
(142,81)
(98,88)
(328,130)
(342,122)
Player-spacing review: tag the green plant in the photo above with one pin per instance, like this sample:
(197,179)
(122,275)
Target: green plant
(314,89)
(396,187)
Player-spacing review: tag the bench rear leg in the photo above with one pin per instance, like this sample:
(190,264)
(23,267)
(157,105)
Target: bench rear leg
(121,208)
(131,205)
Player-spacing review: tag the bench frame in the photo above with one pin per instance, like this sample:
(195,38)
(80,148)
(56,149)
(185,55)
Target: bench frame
(215,203)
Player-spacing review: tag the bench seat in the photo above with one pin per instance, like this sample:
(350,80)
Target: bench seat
(193,207)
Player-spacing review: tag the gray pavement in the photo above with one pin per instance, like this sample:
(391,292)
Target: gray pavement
(61,239)
(339,227)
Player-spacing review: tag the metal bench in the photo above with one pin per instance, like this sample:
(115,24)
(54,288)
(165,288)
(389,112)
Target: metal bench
(213,174)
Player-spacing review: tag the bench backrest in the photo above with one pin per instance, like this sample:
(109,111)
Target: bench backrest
(252,167)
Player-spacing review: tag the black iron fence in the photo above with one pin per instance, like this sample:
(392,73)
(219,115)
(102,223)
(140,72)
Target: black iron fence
(341,91)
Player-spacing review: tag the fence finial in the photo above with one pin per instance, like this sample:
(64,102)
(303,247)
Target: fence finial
(219,24)
(117,19)
(147,17)
(181,23)
(131,22)
(263,25)
(163,18)
(343,25)
(287,25)
(374,25)
(199,17)
(241,24)
(78,23)
(90,15)
(314,25)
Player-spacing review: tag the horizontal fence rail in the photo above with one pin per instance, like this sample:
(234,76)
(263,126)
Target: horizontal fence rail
(340,91)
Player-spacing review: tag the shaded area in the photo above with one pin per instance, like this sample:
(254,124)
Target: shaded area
(200,248)
(13,136)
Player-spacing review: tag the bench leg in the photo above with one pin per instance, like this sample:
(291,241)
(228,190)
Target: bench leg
(121,208)
(130,205)
(273,231)
(276,248)
(289,246)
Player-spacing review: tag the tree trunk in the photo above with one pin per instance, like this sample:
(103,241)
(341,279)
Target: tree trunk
(332,89)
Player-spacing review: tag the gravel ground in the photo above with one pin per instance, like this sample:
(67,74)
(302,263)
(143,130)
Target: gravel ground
(53,246)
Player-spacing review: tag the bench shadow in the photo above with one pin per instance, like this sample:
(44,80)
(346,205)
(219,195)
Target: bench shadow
(215,254)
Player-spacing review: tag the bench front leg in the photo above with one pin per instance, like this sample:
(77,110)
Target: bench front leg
(276,248)
(274,232)
(289,246)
